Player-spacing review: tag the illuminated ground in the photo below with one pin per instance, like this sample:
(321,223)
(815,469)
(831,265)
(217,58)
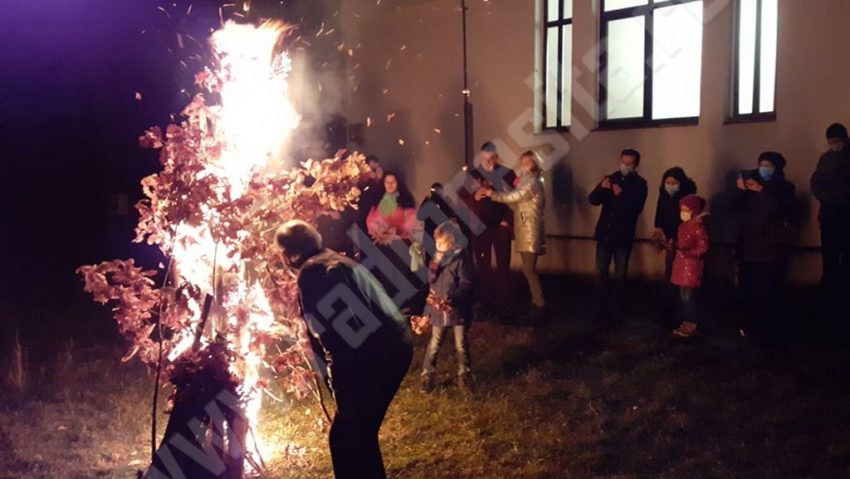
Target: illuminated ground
(576,400)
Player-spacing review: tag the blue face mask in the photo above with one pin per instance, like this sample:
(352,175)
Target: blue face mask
(672,190)
(767,172)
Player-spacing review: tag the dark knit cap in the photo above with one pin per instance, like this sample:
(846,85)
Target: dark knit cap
(836,131)
(695,203)
(776,158)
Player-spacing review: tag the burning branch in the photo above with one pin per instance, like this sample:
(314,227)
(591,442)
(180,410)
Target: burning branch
(213,209)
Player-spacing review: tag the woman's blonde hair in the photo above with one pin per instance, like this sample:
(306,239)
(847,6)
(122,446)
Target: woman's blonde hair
(530,154)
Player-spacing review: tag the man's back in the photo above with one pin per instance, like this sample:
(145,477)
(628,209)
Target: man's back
(352,320)
(831,183)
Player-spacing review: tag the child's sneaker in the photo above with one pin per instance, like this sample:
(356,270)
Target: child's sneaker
(427,385)
(686,330)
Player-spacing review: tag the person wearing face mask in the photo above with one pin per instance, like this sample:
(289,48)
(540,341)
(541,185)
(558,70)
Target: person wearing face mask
(449,304)
(831,186)
(528,202)
(766,200)
(622,196)
(358,333)
(690,249)
(675,185)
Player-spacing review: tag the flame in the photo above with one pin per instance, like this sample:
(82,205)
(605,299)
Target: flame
(256,115)
(256,118)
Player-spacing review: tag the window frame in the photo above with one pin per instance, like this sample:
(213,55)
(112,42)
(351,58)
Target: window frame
(547,25)
(648,12)
(756,116)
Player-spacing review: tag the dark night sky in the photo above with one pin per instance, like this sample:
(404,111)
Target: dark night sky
(68,133)
(69,123)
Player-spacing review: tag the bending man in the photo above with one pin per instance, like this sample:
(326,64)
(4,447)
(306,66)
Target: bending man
(357,330)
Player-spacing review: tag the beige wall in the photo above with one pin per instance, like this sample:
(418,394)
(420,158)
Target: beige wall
(422,83)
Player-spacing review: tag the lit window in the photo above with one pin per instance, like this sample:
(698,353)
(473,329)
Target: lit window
(755,82)
(557,78)
(651,61)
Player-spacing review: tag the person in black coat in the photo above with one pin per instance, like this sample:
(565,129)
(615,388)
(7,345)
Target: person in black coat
(766,199)
(675,185)
(358,332)
(433,211)
(622,196)
(831,186)
(498,220)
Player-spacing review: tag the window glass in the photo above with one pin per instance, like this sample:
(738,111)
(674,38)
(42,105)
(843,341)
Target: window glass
(769,37)
(624,78)
(566,86)
(611,5)
(746,55)
(677,61)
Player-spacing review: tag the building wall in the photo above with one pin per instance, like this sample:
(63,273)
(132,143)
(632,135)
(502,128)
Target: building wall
(407,60)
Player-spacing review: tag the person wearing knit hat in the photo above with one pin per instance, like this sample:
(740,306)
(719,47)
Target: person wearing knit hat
(766,202)
(836,137)
(830,184)
(691,246)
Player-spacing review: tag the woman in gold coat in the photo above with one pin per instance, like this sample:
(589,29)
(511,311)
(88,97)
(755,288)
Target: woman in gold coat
(528,202)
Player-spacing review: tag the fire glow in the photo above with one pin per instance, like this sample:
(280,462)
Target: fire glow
(255,118)
(225,298)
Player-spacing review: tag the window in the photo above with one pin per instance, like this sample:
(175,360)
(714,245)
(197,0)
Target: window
(651,62)
(558,63)
(756,51)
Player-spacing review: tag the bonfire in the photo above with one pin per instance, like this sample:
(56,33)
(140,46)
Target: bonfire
(219,319)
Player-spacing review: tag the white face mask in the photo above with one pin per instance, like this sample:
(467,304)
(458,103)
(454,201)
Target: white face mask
(626,170)
(686,216)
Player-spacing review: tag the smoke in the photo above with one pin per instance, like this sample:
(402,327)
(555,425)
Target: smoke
(319,94)
(318,82)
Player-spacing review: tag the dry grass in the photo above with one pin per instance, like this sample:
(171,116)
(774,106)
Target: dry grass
(559,403)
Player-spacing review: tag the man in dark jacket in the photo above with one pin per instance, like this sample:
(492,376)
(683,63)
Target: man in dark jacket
(622,196)
(359,333)
(766,199)
(434,211)
(831,186)
(498,219)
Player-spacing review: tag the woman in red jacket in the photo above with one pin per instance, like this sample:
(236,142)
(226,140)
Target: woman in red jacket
(691,247)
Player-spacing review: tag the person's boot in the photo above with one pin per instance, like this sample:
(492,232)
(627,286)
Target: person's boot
(427,385)
(464,382)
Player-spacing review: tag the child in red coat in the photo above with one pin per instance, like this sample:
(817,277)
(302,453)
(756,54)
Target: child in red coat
(691,247)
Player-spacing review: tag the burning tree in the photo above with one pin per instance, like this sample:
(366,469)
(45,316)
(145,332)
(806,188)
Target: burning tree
(224,298)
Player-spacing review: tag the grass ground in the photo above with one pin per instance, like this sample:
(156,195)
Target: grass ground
(573,400)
